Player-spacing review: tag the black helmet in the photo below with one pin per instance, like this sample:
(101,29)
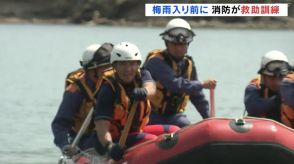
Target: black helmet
(96,56)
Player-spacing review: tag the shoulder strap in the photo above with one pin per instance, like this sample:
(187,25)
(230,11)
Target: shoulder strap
(76,77)
(110,79)
(73,76)
(193,69)
(85,90)
(154,53)
(189,67)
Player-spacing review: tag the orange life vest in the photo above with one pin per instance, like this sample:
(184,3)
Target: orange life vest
(287,112)
(122,107)
(162,96)
(76,81)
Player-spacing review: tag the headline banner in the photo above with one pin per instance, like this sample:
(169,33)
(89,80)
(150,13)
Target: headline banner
(216,9)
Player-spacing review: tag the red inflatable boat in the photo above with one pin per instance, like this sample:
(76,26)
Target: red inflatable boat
(220,141)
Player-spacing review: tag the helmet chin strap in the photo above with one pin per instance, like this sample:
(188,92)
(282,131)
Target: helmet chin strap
(97,75)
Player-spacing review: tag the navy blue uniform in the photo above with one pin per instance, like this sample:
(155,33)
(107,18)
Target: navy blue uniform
(287,92)
(259,105)
(162,72)
(62,125)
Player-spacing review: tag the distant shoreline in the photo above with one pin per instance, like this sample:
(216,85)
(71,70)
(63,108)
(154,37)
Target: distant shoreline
(285,23)
(123,13)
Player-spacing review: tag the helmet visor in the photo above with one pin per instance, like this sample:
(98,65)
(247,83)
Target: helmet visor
(276,68)
(277,65)
(180,31)
(178,35)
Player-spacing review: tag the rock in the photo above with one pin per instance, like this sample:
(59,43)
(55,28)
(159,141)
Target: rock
(123,12)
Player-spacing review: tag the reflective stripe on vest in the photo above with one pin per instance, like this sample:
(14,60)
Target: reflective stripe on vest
(121,108)
(287,113)
(164,97)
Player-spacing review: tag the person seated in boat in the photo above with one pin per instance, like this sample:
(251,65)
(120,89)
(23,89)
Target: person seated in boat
(287,94)
(176,77)
(80,88)
(262,95)
(119,91)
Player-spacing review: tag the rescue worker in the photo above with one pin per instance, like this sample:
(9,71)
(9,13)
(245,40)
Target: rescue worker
(176,77)
(262,95)
(287,94)
(117,94)
(79,97)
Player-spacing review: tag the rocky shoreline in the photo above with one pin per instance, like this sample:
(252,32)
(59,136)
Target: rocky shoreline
(286,23)
(120,13)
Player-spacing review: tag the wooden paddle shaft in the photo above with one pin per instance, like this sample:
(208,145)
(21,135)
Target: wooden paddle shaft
(83,128)
(212,103)
(125,132)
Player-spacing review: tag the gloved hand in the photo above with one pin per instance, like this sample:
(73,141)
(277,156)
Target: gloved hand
(116,152)
(69,151)
(139,94)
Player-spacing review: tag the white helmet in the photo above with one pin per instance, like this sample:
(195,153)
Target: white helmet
(177,23)
(178,31)
(273,60)
(88,54)
(125,51)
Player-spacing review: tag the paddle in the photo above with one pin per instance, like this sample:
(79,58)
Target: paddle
(83,128)
(212,103)
(125,132)
(65,159)
(88,93)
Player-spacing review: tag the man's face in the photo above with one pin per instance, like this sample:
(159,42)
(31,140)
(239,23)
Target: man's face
(126,70)
(272,82)
(177,50)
